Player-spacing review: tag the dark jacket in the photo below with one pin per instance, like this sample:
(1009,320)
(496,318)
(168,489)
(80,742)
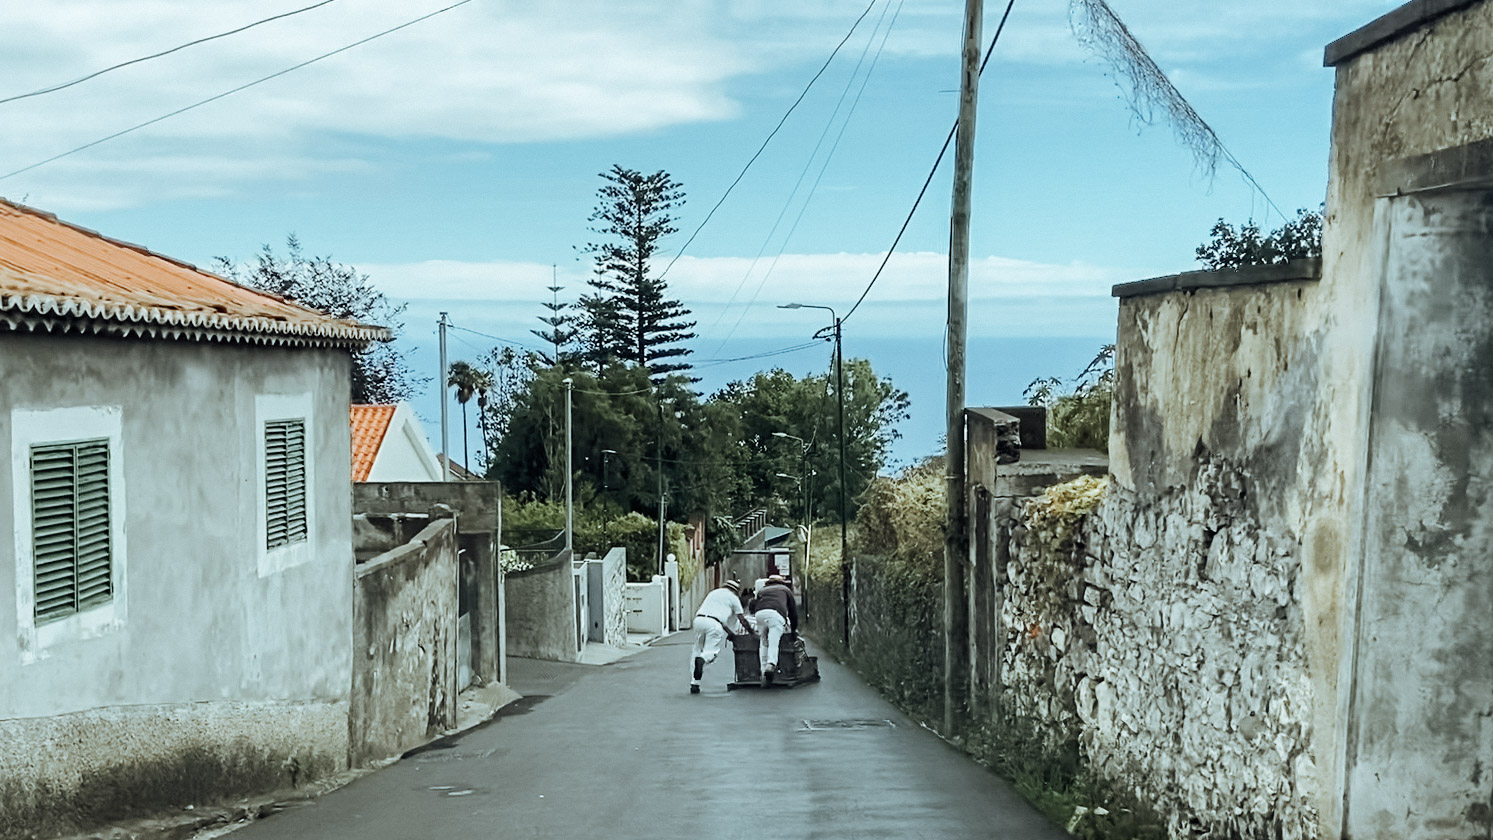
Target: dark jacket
(779,598)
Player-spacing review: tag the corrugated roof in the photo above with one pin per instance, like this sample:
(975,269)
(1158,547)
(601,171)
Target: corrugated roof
(369,424)
(57,276)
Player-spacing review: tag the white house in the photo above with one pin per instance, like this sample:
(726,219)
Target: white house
(176,488)
(388,445)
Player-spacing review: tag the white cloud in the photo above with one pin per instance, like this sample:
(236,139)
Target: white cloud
(1007,296)
(490,72)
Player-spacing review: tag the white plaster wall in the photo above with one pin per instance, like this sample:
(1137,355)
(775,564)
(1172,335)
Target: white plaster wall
(405,454)
(202,625)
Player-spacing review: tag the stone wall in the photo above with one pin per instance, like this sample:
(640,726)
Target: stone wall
(1162,636)
(541,619)
(405,646)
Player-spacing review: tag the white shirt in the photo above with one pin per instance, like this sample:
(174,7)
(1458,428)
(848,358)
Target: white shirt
(723,605)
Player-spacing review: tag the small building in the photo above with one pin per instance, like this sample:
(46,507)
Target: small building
(388,445)
(177,488)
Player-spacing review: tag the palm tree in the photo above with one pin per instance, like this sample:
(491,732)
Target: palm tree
(465,379)
(483,382)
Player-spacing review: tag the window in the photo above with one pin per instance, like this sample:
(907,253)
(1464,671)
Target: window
(284,482)
(70,540)
(70,537)
(282,451)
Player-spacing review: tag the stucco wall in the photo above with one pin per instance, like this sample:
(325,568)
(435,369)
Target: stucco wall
(542,611)
(1427,88)
(197,622)
(404,645)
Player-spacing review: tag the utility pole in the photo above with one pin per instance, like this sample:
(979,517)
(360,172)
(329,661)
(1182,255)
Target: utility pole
(658,456)
(445,383)
(845,593)
(956,544)
(569,472)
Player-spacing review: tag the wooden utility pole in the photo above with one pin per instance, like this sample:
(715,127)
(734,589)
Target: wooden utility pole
(445,383)
(956,543)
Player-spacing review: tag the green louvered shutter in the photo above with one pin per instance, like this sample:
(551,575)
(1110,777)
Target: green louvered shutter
(70,537)
(285,482)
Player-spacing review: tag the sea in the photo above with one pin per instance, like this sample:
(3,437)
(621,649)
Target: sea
(998,371)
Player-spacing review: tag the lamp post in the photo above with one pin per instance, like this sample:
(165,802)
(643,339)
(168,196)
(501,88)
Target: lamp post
(844,515)
(569,472)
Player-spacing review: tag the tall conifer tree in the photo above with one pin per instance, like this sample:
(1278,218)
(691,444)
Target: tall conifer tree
(629,316)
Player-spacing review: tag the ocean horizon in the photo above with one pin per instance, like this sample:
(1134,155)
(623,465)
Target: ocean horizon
(998,371)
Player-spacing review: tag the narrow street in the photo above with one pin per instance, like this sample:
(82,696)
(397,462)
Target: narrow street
(624,751)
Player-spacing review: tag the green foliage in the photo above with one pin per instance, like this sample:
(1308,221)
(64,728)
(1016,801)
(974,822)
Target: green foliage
(1078,410)
(381,373)
(1231,247)
(776,401)
(903,518)
(560,331)
(1056,782)
(718,456)
(628,316)
(597,529)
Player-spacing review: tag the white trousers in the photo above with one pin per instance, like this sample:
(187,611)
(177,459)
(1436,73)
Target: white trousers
(710,638)
(770,628)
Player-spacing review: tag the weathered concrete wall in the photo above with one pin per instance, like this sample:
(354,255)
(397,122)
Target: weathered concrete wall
(191,583)
(405,664)
(1420,716)
(1387,558)
(1164,634)
(542,611)
(64,773)
(477,504)
(607,579)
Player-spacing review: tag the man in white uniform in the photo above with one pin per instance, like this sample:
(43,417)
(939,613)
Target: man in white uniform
(720,610)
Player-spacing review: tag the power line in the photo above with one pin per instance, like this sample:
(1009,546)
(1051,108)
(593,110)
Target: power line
(780,352)
(823,167)
(225,94)
(936,163)
(96,74)
(770,135)
(498,339)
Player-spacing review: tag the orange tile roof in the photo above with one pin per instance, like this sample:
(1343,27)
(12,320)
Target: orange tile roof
(370,423)
(58,276)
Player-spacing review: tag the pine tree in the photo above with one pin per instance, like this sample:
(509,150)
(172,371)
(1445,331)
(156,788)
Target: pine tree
(629,317)
(561,332)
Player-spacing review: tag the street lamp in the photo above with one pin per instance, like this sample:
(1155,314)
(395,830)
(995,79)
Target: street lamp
(844,515)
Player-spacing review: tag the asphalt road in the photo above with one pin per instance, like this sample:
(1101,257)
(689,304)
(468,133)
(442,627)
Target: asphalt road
(624,751)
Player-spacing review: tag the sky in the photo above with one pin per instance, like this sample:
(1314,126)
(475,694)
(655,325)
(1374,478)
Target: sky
(455,160)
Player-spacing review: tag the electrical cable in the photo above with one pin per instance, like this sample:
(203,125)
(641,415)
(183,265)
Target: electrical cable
(924,191)
(780,352)
(770,135)
(824,166)
(495,338)
(225,94)
(793,193)
(123,64)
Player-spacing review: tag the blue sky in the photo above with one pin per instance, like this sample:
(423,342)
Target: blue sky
(456,161)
